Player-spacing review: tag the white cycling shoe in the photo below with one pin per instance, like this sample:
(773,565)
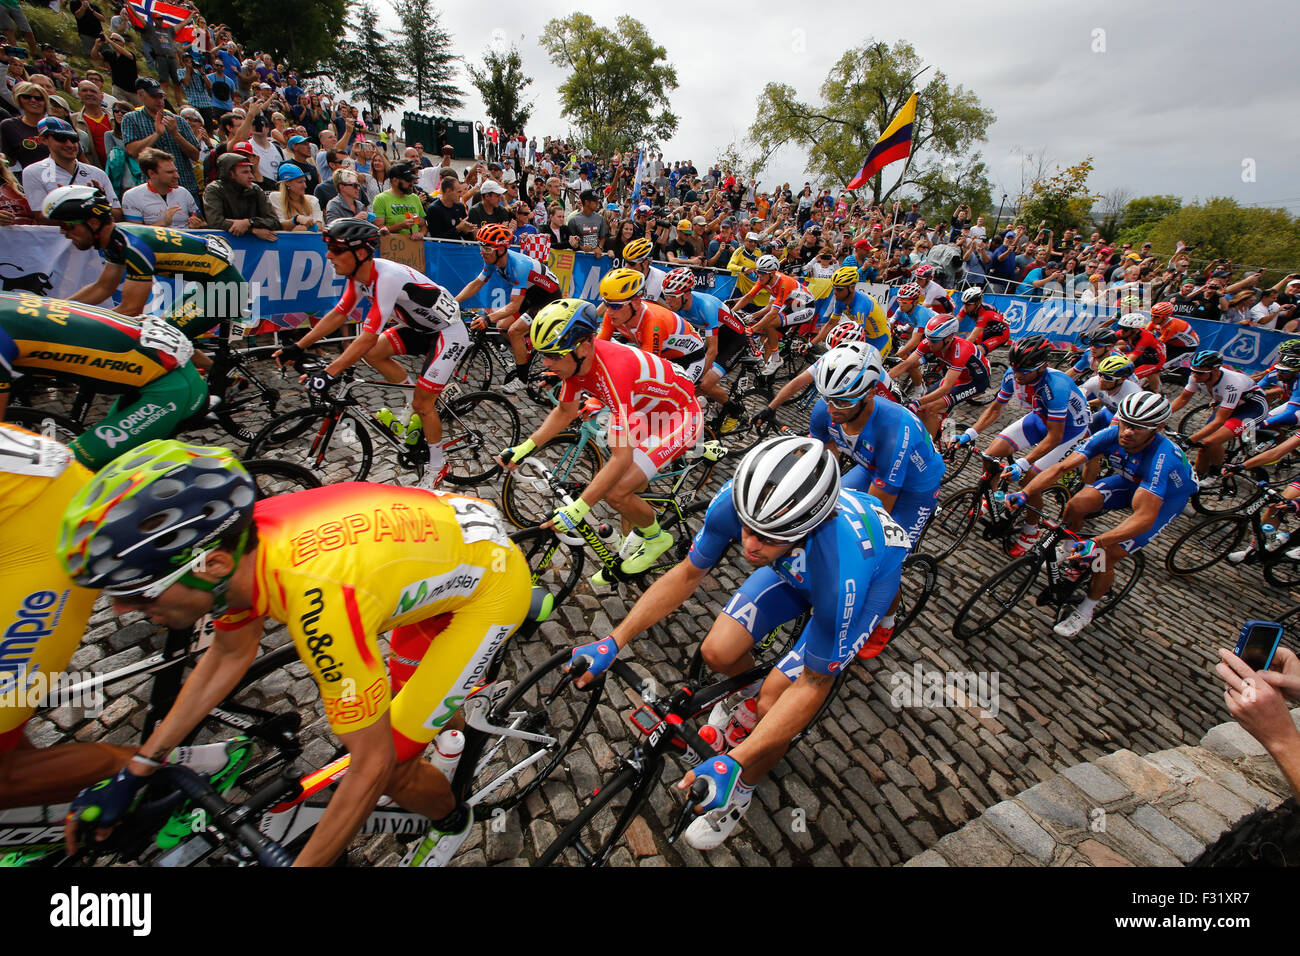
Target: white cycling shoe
(438,846)
(712,828)
(1073,624)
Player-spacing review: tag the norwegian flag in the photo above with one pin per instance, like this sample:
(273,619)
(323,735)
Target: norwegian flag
(140,12)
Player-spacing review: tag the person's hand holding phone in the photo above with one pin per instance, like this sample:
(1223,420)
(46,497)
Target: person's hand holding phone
(1255,701)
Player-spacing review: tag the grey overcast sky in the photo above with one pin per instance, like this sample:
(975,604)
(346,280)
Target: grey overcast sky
(1179,96)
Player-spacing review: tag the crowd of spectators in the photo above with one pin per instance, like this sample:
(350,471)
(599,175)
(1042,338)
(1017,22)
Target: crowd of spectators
(156,146)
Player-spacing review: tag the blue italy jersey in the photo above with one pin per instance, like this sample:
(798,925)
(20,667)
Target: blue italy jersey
(831,571)
(1161,468)
(893,445)
(1054,398)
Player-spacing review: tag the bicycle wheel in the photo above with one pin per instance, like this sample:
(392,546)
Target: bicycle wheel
(950,525)
(1220,494)
(475,371)
(544,703)
(996,597)
(51,424)
(526,502)
(685,476)
(1196,419)
(1127,574)
(248,403)
(1284,573)
(590,838)
(682,526)
(280,477)
(1206,543)
(336,445)
(476,426)
(997,369)
(554,564)
(957,462)
(919,579)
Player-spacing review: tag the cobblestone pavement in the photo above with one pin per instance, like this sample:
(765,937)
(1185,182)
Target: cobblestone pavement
(873,783)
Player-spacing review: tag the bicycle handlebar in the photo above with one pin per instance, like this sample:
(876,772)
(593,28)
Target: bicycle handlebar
(230,819)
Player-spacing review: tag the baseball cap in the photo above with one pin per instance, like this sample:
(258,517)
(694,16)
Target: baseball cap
(244,147)
(288,171)
(684,226)
(56,126)
(700,221)
(147,84)
(588,195)
(346,176)
(492,186)
(295,140)
(752,237)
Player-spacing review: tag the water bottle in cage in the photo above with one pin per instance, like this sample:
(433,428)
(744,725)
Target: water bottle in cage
(1248,435)
(949,431)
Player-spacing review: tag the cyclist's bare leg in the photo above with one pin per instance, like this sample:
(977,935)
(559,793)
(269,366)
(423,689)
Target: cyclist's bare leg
(55,774)
(516,332)
(1210,457)
(1082,506)
(711,386)
(624,499)
(729,648)
(380,358)
(425,406)
(421,788)
(1101,581)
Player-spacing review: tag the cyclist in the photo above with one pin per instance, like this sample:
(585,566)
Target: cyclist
(1240,404)
(1056,425)
(1101,342)
(533,286)
(426,320)
(726,338)
(1145,350)
(966,370)
(816,547)
(991,330)
(45,615)
(650,327)
(637,256)
(144,362)
(1113,383)
(1175,334)
(654,417)
(894,457)
(135,255)
(1283,379)
(767,321)
(1291,493)
(847,303)
(1150,475)
(933,296)
(172,530)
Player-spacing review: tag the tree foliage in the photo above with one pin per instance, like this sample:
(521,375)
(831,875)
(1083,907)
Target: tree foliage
(1221,228)
(427,49)
(617,80)
(501,83)
(304,38)
(366,63)
(1142,214)
(1062,200)
(861,95)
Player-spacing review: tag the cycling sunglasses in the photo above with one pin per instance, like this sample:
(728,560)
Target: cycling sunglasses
(762,538)
(844,403)
(1111,378)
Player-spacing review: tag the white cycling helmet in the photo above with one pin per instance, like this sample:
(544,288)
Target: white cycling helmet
(1134,320)
(766,264)
(971,294)
(942,326)
(1144,410)
(848,371)
(786,486)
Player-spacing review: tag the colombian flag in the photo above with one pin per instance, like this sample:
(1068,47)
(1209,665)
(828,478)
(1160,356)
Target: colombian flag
(895,143)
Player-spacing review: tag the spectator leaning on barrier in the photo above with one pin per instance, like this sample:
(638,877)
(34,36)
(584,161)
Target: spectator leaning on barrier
(448,218)
(397,209)
(587,229)
(297,210)
(14,210)
(62,168)
(234,204)
(490,207)
(160,201)
(349,203)
(152,125)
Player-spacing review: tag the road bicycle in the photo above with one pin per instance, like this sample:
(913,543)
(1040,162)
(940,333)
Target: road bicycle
(956,516)
(1066,584)
(664,726)
(339,434)
(1211,540)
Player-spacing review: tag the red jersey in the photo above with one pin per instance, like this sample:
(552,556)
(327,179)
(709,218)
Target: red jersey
(634,385)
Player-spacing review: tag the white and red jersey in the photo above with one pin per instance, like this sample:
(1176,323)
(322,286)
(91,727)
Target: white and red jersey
(638,388)
(396,290)
(961,356)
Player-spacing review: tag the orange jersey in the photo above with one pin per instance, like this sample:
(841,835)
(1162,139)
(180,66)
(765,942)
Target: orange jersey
(656,330)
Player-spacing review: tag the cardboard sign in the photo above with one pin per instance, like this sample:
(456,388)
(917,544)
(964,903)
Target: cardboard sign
(403,249)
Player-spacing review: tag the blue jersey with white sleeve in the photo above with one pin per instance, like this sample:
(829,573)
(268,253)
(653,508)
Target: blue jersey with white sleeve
(893,445)
(1053,398)
(704,312)
(1160,468)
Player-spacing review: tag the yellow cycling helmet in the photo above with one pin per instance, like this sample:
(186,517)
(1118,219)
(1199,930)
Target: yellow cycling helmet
(1115,366)
(845,278)
(620,285)
(636,250)
(559,327)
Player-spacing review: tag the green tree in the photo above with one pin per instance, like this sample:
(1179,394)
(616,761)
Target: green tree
(426,48)
(366,63)
(306,40)
(1062,200)
(1142,214)
(1221,228)
(501,82)
(860,97)
(617,79)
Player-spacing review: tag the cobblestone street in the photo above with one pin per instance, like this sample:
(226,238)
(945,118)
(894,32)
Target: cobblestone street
(873,783)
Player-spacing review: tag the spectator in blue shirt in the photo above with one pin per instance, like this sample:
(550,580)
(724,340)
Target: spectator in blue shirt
(1003,265)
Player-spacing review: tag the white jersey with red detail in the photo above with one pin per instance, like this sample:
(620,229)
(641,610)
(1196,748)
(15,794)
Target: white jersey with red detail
(397,290)
(634,385)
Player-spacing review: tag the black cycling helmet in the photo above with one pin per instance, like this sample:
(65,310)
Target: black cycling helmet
(1101,337)
(352,232)
(1206,360)
(1030,353)
(403,170)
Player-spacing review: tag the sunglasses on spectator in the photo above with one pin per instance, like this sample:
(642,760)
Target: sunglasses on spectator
(30,96)
(63,137)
